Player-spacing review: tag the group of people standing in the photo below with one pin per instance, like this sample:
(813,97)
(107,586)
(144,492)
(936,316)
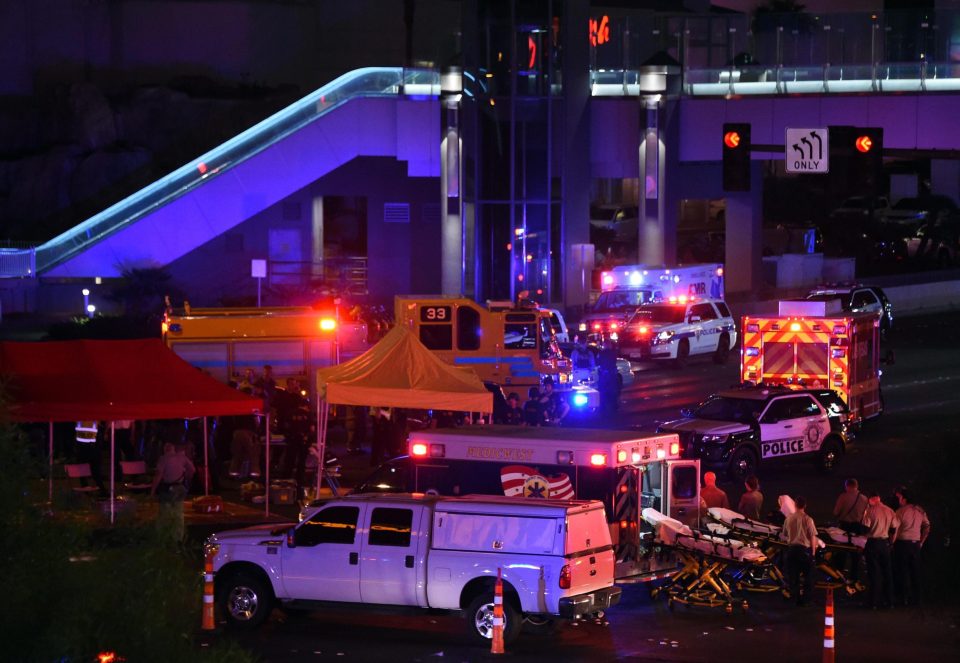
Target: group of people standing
(542,408)
(894,539)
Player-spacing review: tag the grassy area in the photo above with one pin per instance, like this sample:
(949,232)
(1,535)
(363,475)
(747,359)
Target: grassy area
(73,591)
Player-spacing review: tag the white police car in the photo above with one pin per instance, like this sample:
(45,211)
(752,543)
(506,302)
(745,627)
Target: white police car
(677,330)
(740,430)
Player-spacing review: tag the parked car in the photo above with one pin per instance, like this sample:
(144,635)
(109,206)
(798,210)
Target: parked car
(857,298)
(936,243)
(861,208)
(912,212)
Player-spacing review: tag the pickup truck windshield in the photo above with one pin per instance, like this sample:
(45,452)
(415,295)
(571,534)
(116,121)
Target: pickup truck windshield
(722,408)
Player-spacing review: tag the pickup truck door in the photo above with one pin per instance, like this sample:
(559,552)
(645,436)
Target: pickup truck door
(394,547)
(324,562)
(392,569)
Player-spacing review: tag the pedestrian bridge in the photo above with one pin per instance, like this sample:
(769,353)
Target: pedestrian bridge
(395,112)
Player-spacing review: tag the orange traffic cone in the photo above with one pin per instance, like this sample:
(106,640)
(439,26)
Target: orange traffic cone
(208,623)
(829,653)
(496,645)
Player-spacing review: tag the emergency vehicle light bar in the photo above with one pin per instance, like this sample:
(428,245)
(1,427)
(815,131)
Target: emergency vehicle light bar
(422,450)
(327,324)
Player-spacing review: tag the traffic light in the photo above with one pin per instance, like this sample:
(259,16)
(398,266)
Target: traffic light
(856,159)
(736,156)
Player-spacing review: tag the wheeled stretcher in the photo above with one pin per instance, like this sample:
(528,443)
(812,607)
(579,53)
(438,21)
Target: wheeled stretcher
(756,578)
(703,559)
(831,540)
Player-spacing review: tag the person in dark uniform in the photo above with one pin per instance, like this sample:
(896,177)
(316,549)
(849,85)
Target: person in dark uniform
(533,411)
(514,413)
(554,404)
(293,410)
(608,380)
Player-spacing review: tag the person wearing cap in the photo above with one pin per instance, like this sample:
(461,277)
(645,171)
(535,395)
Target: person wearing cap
(514,413)
(911,534)
(880,521)
(556,405)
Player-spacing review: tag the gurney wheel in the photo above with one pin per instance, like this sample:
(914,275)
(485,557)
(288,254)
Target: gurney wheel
(744,606)
(729,608)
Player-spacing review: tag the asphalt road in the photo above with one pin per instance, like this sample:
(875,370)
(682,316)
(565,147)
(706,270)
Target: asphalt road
(912,443)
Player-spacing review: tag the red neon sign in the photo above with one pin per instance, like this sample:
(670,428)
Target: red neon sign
(599,31)
(731,139)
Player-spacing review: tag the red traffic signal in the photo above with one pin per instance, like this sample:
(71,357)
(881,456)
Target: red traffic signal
(731,139)
(863,144)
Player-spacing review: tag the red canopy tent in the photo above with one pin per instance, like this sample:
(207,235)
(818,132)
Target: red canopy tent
(110,381)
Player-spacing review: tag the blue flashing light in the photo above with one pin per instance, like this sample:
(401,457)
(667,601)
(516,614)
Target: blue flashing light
(580,400)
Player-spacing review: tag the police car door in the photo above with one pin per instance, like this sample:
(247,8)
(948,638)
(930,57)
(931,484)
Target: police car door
(792,425)
(708,327)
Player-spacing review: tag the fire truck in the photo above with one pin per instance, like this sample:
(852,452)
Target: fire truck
(293,340)
(625,288)
(511,346)
(815,344)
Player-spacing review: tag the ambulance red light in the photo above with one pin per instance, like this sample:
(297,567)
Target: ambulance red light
(614,325)
(683,299)
(794,326)
(719,271)
(327,324)
(644,330)
(607,279)
(635,457)
(661,453)
(672,300)
(674,448)
(598,459)
(418,449)
(596,326)
(621,456)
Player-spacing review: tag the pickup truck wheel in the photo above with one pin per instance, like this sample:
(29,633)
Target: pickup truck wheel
(480,620)
(723,350)
(246,601)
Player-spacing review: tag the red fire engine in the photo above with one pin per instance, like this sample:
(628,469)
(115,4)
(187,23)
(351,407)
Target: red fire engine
(815,344)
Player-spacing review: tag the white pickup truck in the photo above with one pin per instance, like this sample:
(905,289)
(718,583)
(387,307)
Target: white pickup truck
(423,551)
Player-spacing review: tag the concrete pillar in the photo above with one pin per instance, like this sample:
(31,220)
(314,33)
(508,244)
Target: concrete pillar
(575,150)
(451,150)
(744,235)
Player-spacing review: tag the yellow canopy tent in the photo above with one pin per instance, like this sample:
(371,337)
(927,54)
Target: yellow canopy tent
(399,371)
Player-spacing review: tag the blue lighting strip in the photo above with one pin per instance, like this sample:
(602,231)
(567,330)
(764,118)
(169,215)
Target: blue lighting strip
(367,82)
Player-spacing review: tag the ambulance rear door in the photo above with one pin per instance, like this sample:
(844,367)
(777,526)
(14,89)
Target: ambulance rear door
(682,491)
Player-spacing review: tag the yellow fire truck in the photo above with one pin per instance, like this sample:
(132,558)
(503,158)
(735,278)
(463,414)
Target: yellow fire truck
(513,347)
(815,344)
(295,341)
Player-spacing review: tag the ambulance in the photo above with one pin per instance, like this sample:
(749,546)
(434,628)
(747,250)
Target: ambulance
(514,347)
(295,341)
(625,288)
(626,470)
(815,344)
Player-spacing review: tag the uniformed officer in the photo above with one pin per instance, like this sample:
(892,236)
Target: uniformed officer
(800,533)
(909,538)
(880,521)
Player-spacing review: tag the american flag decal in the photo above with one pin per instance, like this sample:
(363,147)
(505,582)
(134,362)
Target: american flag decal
(523,481)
